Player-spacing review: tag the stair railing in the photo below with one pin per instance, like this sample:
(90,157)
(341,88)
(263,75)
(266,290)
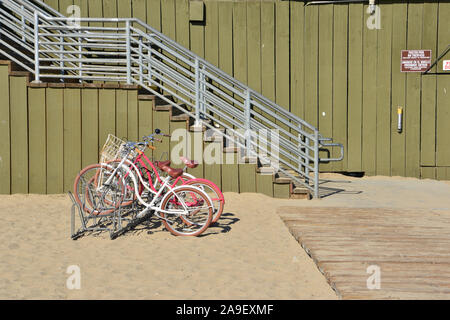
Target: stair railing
(135,53)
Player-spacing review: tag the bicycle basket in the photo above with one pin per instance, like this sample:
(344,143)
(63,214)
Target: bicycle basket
(111,149)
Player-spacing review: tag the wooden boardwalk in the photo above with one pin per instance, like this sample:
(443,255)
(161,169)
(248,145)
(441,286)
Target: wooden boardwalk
(410,247)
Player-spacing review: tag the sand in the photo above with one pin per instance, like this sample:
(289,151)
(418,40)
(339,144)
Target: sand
(250,255)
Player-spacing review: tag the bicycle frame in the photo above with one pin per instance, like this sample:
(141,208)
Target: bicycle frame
(157,193)
(145,163)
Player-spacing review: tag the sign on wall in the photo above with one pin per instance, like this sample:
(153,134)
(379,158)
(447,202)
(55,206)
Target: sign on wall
(415,60)
(446,65)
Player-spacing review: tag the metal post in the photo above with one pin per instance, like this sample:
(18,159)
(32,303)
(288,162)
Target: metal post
(316,164)
(149,62)
(36,48)
(81,63)
(61,56)
(197,93)
(141,66)
(247,106)
(23,23)
(307,159)
(203,90)
(128,48)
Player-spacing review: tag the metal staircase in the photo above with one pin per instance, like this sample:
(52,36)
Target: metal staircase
(57,48)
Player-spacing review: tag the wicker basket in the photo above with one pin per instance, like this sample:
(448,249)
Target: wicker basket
(111,149)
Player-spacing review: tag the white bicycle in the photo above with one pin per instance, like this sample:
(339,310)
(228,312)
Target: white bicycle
(101,188)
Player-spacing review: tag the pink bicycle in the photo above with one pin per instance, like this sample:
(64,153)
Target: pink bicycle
(153,174)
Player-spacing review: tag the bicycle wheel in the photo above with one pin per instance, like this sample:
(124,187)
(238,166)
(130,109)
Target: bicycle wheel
(190,203)
(94,196)
(213,192)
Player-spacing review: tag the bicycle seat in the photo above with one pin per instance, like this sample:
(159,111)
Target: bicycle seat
(189,163)
(174,173)
(162,164)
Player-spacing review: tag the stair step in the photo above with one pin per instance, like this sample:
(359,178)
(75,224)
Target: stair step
(231,149)
(266,170)
(146,97)
(166,107)
(247,159)
(283,180)
(301,193)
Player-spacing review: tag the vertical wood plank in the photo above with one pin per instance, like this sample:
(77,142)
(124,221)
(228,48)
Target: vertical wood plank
(326,76)
(281,191)
(355,49)
(168,18)
(230,173)
(145,125)
(95,11)
(84,9)
(107,114)
(132,118)
(428,172)
(413,88)
(89,127)
(369,132)
(182,22)
(64,6)
(154,14)
(398,156)
(311,63)
(5,141)
(139,8)
(297,58)
(197,40)
(122,113)
(443,92)
(340,80)
(110,11)
(384,71)
(428,107)
(124,9)
(240,41)
(212,33)
(19,134)
(72,136)
(161,121)
(254,45)
(282,55)
(55,140)
(264,184)
(37,141)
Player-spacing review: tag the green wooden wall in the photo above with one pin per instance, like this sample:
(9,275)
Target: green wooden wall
(325,65)
(320,62)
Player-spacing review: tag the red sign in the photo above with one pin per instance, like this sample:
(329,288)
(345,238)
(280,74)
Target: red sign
(446,65)
(416,60)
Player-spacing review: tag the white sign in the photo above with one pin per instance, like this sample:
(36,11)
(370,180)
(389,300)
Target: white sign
(446,65)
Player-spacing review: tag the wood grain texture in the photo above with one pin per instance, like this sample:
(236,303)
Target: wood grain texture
(5,142)
(411,248)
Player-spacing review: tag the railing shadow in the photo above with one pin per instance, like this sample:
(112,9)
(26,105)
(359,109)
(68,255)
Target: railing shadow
(327,191)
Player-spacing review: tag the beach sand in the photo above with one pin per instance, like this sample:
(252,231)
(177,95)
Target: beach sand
(250,255)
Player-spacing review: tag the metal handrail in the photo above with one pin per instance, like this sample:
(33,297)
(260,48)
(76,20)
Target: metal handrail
(135,53)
